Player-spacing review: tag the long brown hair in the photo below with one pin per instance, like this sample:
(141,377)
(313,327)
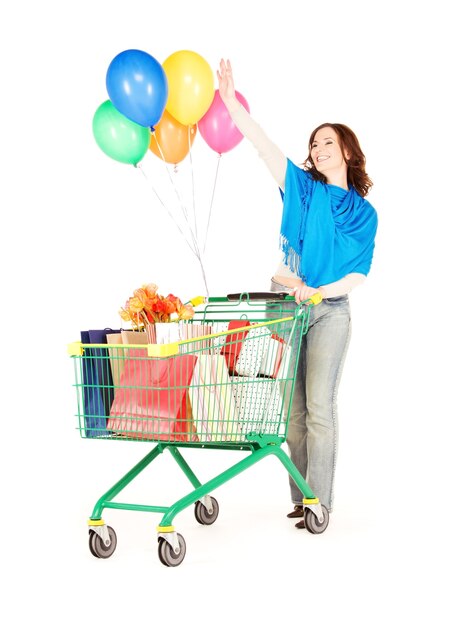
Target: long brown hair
(356,174)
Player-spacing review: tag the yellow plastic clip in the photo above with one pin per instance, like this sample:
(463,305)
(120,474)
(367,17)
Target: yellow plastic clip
(95,522)
(197,300)
(165,529)
(310,500)
(163,349)
(75,348)
(316,298)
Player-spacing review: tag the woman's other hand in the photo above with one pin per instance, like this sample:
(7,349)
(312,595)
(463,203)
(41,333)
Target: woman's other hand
(226,86)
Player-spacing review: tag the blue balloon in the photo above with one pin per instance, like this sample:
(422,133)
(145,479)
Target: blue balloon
(137,87)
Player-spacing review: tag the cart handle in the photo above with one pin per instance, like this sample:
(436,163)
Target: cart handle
(316,298)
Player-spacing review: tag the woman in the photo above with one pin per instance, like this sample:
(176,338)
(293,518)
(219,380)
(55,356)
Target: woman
(327,240)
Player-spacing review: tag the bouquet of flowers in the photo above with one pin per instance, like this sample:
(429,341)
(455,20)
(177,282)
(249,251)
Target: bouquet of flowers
(147,307)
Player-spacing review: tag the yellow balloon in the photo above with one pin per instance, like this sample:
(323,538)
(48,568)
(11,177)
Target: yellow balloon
(190,86)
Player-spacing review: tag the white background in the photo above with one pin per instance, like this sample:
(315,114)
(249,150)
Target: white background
(81,231)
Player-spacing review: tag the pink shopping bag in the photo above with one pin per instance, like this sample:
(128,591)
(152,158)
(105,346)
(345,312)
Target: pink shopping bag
(151,400)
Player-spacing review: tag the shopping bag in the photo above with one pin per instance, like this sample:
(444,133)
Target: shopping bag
(213,406)
(163,332)
(276,358)
(259,405)
(98,392)
(192,330)
(151,399)
(234,343)
(117,355)
(253,351)
(134,337)
(217,341)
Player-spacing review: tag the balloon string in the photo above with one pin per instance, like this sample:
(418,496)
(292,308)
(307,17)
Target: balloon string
(204,276)
(211,203)
(139,166)
(175,189)
(184,210)
(193,184)
(195,248)
(194,211)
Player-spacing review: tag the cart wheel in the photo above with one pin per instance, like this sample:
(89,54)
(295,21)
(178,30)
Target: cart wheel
(161,541)
(203,516)
(97,547)
(311,521)
(167,555)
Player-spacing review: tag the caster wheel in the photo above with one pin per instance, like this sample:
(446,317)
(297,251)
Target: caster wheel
(167,555)
(311,521)
(97,546)
(161,541)
(203,516)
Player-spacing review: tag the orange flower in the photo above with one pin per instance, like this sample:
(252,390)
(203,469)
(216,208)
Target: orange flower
(135,305)
(169,306)
(173,304)
(150,289)
(146,306)
(125,315)
(186,312)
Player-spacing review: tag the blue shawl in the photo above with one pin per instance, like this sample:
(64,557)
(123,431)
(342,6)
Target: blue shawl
(327,232)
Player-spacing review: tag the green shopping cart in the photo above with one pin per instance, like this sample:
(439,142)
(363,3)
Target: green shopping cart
(227,383)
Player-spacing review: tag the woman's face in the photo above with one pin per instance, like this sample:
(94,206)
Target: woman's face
(326,152)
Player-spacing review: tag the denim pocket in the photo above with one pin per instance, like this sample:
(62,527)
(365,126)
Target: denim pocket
(336,300)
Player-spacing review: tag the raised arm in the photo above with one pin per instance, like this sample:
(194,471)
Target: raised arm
(272,156)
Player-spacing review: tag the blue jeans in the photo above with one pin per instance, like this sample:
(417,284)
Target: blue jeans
(313,428)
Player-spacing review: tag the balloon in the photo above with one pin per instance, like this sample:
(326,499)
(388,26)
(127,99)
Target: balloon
(217,128)
(118,137)
(137,86)
(190,86)
(173,139)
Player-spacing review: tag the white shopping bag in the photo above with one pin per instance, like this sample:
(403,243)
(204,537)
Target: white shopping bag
(259,405)
(192,331)
(276,358)
(253,351)
(219,342)
(163,332)
(213,407)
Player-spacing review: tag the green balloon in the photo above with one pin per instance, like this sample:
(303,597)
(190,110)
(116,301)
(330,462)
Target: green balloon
(117,136)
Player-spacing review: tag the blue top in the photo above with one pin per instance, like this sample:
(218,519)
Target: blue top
(327,232)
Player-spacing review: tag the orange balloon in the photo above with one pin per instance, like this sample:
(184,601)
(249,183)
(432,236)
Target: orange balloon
(170,140)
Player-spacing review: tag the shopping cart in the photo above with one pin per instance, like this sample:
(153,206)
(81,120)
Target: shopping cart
(227,384)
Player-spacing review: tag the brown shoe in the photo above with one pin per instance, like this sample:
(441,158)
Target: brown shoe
(297,511)
(300,524)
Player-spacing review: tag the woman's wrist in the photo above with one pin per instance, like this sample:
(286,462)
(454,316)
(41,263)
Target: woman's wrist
(232,104)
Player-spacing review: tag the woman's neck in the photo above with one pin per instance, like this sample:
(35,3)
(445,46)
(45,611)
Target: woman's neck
(339,179)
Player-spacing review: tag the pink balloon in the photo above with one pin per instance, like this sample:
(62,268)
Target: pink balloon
(217,128)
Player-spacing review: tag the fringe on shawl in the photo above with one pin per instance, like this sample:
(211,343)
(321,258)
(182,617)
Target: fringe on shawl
(291,258)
